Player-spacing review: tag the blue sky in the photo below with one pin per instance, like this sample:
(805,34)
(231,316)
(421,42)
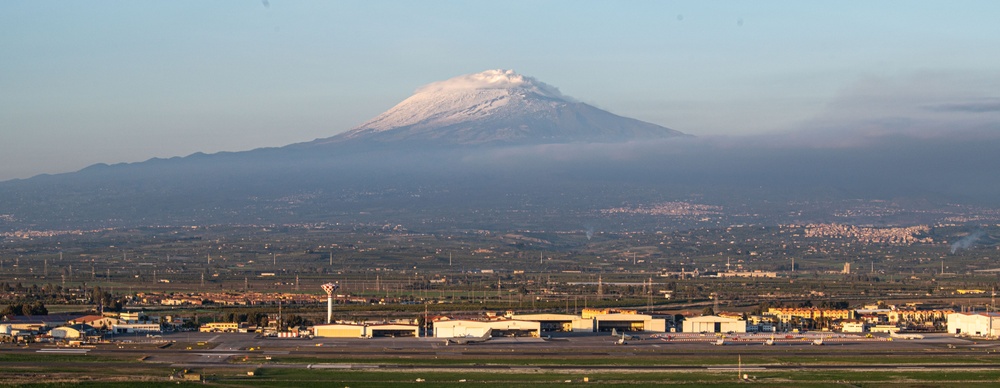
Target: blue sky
(124,81)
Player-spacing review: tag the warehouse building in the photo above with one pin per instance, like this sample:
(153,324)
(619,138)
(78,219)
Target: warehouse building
(130,328)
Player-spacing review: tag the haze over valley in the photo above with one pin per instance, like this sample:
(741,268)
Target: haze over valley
(500,150)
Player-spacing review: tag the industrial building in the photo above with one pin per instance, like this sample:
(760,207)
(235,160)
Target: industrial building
(854,326)
(714,324)
(975,324)
(215,327)
(129,328)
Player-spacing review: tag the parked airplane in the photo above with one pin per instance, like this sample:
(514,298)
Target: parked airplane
(720,342)
(906,336)
(470,340)
(769,342)
(621,341)
(818,342)
(614,333)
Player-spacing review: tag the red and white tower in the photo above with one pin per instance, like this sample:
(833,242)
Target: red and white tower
(329,288)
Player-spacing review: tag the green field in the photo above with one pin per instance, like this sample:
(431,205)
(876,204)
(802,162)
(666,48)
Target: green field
(77,370)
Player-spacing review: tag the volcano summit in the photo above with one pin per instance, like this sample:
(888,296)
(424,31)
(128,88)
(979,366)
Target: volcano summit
(497,107)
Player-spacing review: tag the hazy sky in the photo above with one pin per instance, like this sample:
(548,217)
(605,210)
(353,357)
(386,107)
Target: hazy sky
(121,81)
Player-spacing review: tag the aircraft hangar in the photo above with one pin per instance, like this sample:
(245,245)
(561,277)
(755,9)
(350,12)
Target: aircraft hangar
(714,324)
(629,323)
(503,328)
(343,330)
(558,322)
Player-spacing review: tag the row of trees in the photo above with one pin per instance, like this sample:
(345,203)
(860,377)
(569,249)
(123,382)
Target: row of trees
(24,309)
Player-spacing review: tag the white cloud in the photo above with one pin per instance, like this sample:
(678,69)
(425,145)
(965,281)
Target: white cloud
(493,79)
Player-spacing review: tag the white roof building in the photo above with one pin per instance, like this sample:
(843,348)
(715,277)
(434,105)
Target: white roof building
(65,332)
(980,324)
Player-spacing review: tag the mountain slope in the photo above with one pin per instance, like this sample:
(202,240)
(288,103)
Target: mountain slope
(497,107)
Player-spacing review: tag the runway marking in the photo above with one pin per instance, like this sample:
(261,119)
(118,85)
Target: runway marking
(63,351)
(329,366)
(730,368)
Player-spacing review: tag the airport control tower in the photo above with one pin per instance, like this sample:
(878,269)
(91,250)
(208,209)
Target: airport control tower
(329,287)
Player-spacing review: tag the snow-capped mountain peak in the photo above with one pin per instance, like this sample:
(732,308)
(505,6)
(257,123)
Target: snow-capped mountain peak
(497,106)
(492,79)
